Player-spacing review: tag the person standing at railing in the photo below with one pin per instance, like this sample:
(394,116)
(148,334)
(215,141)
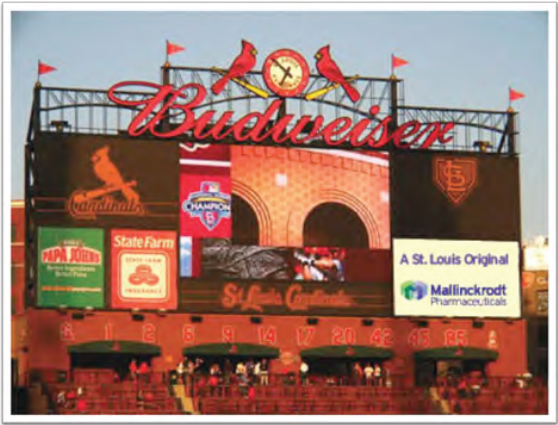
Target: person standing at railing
(264,372)
(143,372)
(304,369)
(357,374)
(133,369)
(368,374)
(377,375)
(180,372)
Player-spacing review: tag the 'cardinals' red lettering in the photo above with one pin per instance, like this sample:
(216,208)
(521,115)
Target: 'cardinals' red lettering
(260,126)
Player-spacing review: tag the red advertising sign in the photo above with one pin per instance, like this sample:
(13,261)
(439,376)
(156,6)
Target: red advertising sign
(144,269)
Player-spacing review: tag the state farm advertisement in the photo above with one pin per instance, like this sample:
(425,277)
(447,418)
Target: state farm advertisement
(448,278)
(144,269)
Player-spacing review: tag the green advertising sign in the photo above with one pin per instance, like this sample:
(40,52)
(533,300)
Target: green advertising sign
(71,267)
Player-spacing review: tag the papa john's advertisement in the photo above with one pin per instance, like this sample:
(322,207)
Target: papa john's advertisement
(456,278)
(144,269)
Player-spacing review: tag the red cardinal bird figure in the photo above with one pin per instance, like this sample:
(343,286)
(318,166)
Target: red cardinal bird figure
(240,66)
(107,172)
(329,69)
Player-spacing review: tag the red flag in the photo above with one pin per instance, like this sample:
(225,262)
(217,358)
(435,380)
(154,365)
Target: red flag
(396,62)
(44,68)
(173,48)
(514,95)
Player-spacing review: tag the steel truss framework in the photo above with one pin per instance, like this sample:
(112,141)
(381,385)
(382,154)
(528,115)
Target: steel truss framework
(90,111)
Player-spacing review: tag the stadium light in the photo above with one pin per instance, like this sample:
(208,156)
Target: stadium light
(478,323)
(60,125)
(367,322)
(136,315)
(482,146)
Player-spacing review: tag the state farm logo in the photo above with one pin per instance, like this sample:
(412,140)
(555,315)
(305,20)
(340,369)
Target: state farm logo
(455,177)
(143,274)
(210,205)
(115,197)
(71,252)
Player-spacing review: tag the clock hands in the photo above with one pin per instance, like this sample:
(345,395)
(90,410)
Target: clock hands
(287,71)
(287,74)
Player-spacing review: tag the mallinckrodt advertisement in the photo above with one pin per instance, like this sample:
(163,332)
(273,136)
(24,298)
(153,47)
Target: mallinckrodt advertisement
(71,267)
(444,278)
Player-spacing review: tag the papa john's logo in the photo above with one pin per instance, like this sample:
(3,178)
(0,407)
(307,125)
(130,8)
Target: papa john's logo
(455,177)
(210,205)
(414,290)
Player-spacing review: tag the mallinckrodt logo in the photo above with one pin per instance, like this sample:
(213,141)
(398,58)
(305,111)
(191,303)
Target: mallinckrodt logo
(414,290)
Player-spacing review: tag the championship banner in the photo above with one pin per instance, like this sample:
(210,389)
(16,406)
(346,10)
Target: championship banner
(443,278)
(205,206)
(286,298)
(143,269)
(71,269)
(106,181)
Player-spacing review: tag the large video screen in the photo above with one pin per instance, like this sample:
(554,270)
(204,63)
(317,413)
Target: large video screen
(454,196)
(106,181)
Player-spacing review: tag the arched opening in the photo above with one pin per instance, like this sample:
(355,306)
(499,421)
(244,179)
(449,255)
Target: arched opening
(335,225)
(245,228)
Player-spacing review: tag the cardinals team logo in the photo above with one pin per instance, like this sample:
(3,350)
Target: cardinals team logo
(115,197)
(210,205)
(456,178)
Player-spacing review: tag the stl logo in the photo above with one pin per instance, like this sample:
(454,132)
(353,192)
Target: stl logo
(414,290)
(210,205)
(455,177)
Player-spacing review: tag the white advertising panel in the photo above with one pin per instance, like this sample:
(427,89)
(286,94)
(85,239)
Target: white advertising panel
(535,258)
(443,278)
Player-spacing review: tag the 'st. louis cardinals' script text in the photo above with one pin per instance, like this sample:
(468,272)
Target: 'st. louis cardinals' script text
(264,126)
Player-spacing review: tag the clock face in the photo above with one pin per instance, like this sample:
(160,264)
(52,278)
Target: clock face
(286,73)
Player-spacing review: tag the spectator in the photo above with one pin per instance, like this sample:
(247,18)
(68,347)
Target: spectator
(257,372)
(71,397)
(377,375)
(143,371)
(264,372)
(250,368)
(79,392)
(181,372)
(304,369)
(357,374)
(462,390)
(133,369)
(368,373)
(61,398)
(227,371)
(240,369)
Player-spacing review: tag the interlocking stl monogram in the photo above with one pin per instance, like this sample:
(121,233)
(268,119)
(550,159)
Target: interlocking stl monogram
(455,177)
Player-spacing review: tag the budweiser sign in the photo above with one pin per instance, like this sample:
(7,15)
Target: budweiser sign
(266,126)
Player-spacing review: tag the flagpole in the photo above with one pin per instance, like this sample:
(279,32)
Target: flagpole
(509,98)
(39,72)
(392,67)
(167,52)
